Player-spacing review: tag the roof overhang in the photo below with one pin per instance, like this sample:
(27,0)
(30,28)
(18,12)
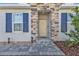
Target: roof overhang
(69,5)
(14,5)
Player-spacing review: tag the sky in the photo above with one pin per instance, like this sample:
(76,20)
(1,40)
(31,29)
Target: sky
(38,1)
(12,1)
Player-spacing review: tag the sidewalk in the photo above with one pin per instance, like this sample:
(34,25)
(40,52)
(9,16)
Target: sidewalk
(43,47)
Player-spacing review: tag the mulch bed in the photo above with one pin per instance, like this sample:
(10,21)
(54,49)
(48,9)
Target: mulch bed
(69,51)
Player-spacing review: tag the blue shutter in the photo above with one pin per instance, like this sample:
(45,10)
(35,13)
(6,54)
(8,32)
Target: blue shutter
(8,22)
(63,22)
(25,22)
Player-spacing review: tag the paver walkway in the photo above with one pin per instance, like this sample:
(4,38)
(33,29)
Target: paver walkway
(43,47)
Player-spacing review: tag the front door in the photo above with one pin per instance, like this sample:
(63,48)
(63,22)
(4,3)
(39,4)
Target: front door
(43,23)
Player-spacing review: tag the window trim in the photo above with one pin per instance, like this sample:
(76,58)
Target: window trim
(16,22)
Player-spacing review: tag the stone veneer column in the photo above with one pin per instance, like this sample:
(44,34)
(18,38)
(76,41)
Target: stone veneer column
(34,23)
(55,21)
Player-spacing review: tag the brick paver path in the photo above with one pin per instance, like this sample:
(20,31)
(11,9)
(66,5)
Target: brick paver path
(43,47)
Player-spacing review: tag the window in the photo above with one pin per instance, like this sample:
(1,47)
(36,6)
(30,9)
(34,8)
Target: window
(66,22)
(18,21)
(69,17)
(17,27)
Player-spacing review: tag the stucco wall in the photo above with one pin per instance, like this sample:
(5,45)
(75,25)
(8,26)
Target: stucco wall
(14,36)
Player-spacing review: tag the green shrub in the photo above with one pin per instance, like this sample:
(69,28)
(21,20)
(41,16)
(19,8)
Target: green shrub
(74,35)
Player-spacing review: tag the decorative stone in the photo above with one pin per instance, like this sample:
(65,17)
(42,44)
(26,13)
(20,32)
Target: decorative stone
(54,11)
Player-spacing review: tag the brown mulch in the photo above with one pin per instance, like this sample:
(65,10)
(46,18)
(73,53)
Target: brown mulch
(69,51)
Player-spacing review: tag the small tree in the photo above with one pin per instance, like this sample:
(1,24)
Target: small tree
(74,35)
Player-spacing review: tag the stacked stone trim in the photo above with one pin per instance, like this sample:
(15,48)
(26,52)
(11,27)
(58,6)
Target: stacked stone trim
(53,10)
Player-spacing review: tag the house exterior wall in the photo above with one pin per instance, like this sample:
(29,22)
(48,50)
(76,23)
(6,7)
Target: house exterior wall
(14,36)
(53,10)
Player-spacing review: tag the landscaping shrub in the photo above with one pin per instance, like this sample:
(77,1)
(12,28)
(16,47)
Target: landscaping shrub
(74,35)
